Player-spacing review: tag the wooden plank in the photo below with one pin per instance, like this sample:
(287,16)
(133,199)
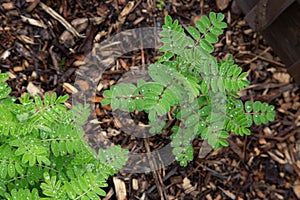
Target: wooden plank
(265,12)
(284,35)
(246,6)
(294,70)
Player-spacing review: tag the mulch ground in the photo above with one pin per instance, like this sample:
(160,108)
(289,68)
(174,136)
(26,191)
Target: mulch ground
(41,56)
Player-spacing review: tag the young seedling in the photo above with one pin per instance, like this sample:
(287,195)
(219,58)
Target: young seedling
(189,84)
(42,153)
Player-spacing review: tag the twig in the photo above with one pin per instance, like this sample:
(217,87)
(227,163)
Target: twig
(279,139)
(59,18)
(256,57)
(142,52)
(259,57)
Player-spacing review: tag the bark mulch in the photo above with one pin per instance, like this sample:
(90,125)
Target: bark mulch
(42,44)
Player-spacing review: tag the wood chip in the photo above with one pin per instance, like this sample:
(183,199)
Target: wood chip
(276,158)
(26,39)
(135,184)
(228,193)
(33,22)
(59,18)
(126,10)
(109,194)
(18,68)
(33,90)
(282,77)
(186,183)
(124,64)
(222,4)
(262,141)
(70,88)
(205,149)
(11,75)
(5,55)
(137,21)
(296,188)
(32,6)
(247,31)
(120,188)
(236,149)
(187,186)
(8,6)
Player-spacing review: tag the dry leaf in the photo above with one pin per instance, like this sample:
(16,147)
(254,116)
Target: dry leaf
(222,4)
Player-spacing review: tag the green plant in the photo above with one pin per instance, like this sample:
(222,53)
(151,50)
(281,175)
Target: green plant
(42,153)
(197,91)
(160,4)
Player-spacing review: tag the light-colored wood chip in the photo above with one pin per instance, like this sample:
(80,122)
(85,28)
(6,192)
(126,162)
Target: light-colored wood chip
(296,188)
(228,193)
(222,4)
(8,6)
(11,75)
(120,188)
(262,141)
(109,194)
(282,77)
(186,183)
(33,22)
(135,184)
(260,194)
(33,90)
(276,158)
(18,68)
(5,55)
(127,9)
(70,88)
(208,197)
(59,18)
(123,64)
(26,39)
(187,186)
